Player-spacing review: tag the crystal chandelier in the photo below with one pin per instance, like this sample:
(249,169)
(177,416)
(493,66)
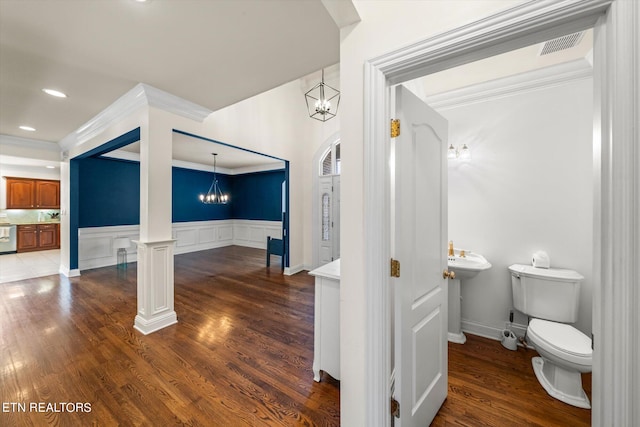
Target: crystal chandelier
(319,101)
(214,196)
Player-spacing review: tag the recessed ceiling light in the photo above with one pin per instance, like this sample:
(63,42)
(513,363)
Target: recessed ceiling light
(51,167)
(54,92)
(28,128)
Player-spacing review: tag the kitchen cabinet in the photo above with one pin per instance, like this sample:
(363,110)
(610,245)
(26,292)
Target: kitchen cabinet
(38,237)
(27,193)
(47,194)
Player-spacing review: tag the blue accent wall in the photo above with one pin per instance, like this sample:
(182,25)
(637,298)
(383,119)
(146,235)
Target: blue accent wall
(74,211)
(258,196)
(109,194)
(188,184)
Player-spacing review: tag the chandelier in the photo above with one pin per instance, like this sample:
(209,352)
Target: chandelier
(214,196)
(319,101)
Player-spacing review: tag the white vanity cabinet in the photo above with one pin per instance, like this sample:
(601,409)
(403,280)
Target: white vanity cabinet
(326,350)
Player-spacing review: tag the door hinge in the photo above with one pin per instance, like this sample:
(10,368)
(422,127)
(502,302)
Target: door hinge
(395,408)
(395,128)
(395,268)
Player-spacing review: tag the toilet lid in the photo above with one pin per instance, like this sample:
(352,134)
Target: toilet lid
(561,336)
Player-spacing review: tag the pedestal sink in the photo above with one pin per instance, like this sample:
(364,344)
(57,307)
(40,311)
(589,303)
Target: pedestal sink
(466,265)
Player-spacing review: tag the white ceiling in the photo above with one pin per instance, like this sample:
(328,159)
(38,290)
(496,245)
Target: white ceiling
(495,67)
(194,152)
(213,53)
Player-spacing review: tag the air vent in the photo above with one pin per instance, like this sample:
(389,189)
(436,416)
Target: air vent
(561,43)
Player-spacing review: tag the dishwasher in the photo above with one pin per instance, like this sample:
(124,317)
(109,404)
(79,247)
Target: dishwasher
(8,238)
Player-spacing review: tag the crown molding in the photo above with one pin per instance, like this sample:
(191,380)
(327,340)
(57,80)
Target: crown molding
(508,86)
(29,143)
(142,95)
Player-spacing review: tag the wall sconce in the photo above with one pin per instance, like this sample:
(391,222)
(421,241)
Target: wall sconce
(462,153)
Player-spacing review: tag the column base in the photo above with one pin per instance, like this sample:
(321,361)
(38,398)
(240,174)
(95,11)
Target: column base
(458,338)
(147,326)
(155,286)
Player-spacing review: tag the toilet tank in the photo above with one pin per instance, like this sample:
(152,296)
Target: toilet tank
(546,293)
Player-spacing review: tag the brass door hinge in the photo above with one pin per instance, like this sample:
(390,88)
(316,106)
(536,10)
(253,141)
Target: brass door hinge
(395,128)
(395,408)
(395,268)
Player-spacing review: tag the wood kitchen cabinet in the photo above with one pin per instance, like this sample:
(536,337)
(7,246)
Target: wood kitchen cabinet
(27,193)
(38,237)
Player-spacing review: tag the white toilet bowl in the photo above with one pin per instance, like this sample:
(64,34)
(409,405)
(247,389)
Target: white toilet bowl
(566,353)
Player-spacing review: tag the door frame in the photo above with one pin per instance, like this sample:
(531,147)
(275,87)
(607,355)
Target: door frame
(616,186)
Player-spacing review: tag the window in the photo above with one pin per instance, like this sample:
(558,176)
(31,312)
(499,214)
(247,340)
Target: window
(326,216)
(330,163)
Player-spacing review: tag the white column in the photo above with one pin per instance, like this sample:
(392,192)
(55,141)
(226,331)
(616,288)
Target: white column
(65,251)
(156,246)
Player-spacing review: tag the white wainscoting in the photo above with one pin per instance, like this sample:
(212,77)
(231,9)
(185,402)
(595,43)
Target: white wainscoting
(96,243)
(254,233)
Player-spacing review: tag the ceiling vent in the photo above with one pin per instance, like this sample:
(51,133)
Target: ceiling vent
(561,43)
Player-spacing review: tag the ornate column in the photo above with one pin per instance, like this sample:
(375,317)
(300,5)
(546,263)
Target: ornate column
(155,247)
(155,286)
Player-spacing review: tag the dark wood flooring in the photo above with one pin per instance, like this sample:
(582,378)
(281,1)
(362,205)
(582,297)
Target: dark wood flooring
(240,355)
(492,386)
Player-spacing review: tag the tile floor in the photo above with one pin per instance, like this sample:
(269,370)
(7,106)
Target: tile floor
(27,265)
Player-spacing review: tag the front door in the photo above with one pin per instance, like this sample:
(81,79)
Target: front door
(329,242)
(420,310)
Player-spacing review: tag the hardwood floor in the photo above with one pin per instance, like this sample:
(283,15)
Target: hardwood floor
(492,386)
(240,355)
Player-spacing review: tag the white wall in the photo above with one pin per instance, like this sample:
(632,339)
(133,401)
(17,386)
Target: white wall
(528,186)
(277,123)
(385,25)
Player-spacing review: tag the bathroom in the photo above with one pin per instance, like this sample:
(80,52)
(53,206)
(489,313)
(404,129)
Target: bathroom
(528,186)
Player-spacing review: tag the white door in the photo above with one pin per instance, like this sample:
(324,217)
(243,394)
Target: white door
(420,319)
(335,217)
(329,250)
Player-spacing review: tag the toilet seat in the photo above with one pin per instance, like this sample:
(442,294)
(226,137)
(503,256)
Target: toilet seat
(562,340)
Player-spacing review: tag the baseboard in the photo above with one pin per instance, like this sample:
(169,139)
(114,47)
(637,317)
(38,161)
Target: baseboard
(491,332)
(65,271)
(149,326)
(290,271)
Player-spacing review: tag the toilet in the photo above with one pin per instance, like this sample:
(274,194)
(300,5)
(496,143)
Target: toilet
(551,297)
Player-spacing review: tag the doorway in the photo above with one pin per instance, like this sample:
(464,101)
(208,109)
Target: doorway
(326,202)
(520,26)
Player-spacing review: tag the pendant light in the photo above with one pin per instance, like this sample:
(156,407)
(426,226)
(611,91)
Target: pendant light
(214,196)
(322,101)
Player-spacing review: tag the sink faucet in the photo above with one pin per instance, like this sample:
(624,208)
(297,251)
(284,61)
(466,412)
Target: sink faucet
(451,253)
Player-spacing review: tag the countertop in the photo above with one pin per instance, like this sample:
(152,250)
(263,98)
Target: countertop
(331,270)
